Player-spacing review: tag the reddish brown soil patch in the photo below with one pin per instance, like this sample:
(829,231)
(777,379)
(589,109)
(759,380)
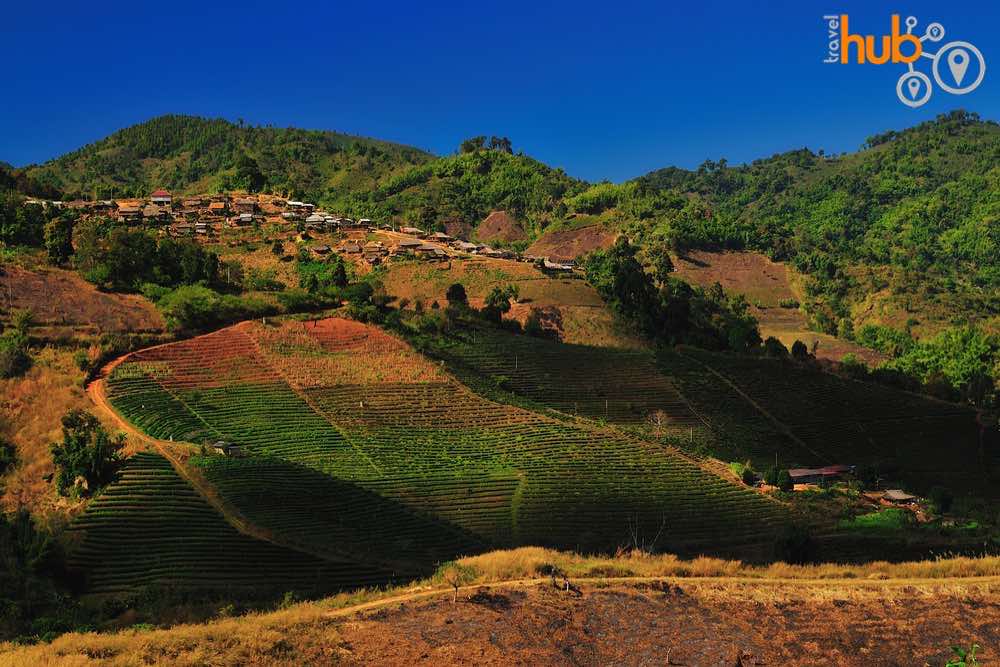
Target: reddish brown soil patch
(766,284)
(569,244)
(665,624)
(458,229)
(499,226)
(61,298)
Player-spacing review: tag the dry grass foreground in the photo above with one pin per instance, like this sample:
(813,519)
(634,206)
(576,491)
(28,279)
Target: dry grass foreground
(628,610)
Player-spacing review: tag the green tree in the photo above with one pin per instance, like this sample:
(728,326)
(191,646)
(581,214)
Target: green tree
(498,302)
(59,239)
(473,144)
(456,295)
(88,458)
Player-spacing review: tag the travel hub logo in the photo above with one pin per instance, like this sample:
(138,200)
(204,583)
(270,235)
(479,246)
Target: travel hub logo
(957,67)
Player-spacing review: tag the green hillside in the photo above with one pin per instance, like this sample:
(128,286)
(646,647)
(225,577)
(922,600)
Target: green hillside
(188,154)
(464,188)
(753,407)
(903,232)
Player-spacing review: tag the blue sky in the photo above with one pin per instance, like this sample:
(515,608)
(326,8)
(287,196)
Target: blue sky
(603,90)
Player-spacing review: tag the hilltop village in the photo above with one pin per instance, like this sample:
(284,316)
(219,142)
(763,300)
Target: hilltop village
(208,218)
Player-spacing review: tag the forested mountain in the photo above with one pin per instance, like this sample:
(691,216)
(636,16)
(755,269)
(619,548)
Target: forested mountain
(197,155)
(906,230)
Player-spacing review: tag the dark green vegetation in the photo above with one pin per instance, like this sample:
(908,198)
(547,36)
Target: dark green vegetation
(668,310)
(190,154)
(151,528)
(87,459)
(15,358)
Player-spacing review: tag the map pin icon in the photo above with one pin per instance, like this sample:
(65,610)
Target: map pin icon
(958,62)
(914,86)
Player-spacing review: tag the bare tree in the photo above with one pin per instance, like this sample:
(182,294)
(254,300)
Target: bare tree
(658,419)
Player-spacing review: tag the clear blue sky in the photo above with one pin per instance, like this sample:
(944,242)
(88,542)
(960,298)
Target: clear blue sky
(602,89)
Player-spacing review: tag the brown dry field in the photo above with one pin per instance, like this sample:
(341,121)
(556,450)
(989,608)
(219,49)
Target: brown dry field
(583,315)
(612,622)
(500,226)
(568,244)
(765,283)
(62,300)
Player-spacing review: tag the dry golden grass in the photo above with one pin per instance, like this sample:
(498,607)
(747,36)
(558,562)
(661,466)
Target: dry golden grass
(867,602)
(32,410)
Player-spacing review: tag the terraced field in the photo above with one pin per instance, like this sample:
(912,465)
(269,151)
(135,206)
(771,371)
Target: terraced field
(394,434)
(614,385)
(859,423)
(152,528)
(758,408)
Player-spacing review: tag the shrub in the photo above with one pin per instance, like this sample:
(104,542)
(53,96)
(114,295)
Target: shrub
(784,481)
(456,295)
(14,357)
(775,348)
(789,303)
(799,351)
(193,307)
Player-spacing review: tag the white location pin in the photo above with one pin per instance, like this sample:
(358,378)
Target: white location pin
(914,86)
(958,62)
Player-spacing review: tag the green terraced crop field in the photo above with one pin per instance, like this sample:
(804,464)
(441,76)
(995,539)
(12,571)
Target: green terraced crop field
(152,528)
(394,459)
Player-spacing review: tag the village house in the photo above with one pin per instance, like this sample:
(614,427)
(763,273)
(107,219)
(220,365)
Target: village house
(129,213)
(818,475)
(227,449)
(350,249)
(218,208)
(555,267)
(246,205)
(413,231)
(465,246)
(321,249)
(441,237)
(161,198)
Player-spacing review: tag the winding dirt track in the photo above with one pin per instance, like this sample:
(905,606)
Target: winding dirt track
(97,391)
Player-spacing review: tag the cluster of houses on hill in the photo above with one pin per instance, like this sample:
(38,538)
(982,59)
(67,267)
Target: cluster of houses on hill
(206,216)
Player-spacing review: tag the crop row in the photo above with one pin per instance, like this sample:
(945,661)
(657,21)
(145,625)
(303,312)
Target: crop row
(618,386)
(150,527)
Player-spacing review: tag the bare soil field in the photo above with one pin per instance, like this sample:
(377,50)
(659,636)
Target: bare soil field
(500,226)
(569,244)
(652,622)
(766,283)
(63,301)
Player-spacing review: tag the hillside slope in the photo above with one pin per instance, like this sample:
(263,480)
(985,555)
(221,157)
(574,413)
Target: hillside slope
(904,230)
(354,404)
(188,154)
(767,410)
